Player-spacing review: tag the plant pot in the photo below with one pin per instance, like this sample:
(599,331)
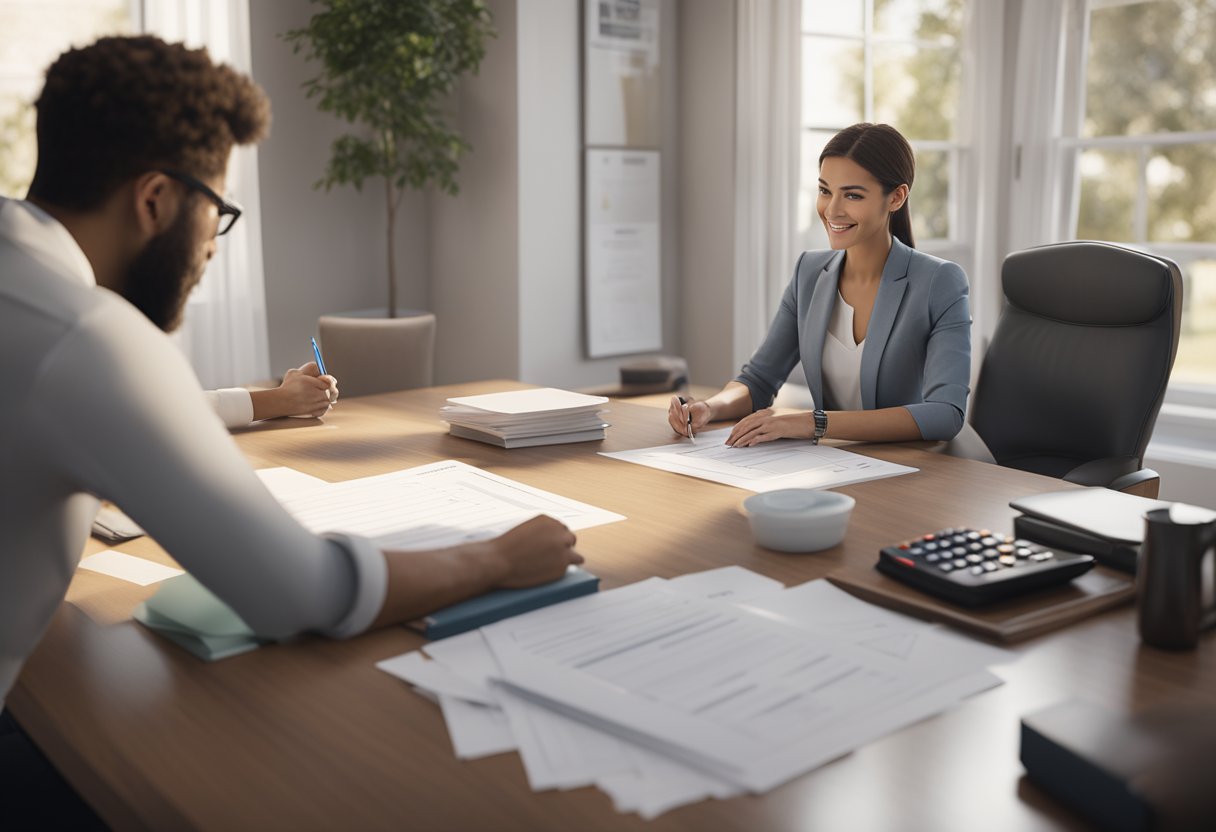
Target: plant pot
(369,352)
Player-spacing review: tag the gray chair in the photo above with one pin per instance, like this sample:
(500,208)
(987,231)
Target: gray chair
(378,355)
(1074,377)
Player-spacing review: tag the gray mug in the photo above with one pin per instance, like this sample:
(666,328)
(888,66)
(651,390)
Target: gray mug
(1169,577)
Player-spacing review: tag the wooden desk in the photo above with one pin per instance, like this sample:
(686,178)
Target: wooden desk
(311,736)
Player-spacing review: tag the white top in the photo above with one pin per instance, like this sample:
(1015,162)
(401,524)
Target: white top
(100,404)
(842,359)
(233,405)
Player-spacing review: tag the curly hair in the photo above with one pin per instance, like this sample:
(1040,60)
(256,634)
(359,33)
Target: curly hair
(126,105)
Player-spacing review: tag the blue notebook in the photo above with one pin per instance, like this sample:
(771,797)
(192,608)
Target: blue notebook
(504,603)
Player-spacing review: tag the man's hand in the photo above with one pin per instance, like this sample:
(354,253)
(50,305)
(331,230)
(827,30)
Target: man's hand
(763,426)
(534,552)
(304,392)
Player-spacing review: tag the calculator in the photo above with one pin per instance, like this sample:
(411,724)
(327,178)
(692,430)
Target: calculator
(972,567)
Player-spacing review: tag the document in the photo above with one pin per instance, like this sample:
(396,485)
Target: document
(784,463)
(125,567)
(431,506)
(736,695)
(286,482)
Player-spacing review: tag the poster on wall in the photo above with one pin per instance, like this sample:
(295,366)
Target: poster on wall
(621,73)
(622,252)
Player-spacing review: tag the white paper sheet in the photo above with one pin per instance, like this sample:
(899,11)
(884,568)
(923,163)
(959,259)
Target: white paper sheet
(441,504)
(476,730)
(288,482)
(435,677)
(784,463)
(746,699)
(128,568)
(732,584)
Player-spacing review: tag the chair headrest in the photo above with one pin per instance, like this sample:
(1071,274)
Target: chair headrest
(1090,283)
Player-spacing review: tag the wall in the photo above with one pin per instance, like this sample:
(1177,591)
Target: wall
(552,320)
(323,252)
(706,109)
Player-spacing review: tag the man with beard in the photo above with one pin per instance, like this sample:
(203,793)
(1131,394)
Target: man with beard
(134,136)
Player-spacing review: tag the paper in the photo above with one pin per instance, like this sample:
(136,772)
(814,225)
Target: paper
(287,482)
(435,677)
(784,463)
(476,730)
(746,699)
(540,400)
(436,505)
(729,583)
(128,568)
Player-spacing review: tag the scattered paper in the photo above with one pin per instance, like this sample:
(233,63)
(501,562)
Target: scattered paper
(785,463)
(288,482)
(128,568)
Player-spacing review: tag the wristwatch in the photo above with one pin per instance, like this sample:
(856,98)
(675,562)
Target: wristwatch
(821,425)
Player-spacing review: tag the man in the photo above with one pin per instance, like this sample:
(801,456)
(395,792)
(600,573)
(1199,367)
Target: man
(134,137)
(303,392)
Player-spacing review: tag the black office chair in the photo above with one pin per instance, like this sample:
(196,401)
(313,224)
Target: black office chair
(1074,377)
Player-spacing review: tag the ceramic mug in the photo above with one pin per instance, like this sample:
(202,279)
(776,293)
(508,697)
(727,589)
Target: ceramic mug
(1169,579)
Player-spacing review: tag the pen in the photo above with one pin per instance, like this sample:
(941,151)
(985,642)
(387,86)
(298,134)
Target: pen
(688,416)
(316,351)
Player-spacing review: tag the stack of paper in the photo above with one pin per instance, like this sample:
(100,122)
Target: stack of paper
(186,613)
(523,418)
(664,693)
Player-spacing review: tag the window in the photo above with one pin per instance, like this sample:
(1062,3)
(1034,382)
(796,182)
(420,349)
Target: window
(1145,148)
(893,61)
(35,33)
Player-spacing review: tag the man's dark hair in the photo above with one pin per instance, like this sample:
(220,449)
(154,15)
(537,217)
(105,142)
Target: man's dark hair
(127,105)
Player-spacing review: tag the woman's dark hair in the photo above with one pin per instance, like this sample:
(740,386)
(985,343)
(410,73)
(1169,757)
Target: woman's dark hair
(886,154)
(127,105)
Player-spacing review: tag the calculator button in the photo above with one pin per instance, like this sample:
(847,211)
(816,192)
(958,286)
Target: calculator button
(916,550)
(933,557)
(1021,542)
(990,553)
(1023,551)
(1008,560)
(1039,557)
(930,547)
(990,566)
(989,540)
(960,563)
(975,559)
(959,550)
(945,566)
(977,570)
(1005,548)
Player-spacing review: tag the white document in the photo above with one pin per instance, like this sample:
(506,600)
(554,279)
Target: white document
(128,568)
(784,463)
(435,677)
(732,584)
(441,504)
(476,730)
(623,293)
(744,698)
(288,482)
(541,400)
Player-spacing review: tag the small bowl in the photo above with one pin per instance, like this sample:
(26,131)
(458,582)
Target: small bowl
(798,519)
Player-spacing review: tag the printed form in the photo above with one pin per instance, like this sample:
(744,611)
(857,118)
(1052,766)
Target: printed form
(784,463)
(441,504)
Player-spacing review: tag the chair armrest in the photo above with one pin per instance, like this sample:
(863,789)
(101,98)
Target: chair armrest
(1118,473)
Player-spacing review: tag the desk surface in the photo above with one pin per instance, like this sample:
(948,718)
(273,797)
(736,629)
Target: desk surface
(310,735)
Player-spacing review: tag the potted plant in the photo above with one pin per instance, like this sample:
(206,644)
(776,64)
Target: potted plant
(387,67)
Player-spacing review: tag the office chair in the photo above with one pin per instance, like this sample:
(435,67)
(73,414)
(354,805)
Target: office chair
(1073,380)
(379,355)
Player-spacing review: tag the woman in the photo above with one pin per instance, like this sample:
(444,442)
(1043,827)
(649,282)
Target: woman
(883,331)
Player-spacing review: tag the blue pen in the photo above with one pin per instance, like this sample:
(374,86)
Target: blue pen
(316,351)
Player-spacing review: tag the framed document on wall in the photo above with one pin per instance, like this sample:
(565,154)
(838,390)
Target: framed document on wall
(622,252)
(621,192)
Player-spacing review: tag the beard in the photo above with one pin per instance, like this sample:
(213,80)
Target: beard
(162,275)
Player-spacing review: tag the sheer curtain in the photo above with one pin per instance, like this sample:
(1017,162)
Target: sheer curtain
(767,149)
(224,333)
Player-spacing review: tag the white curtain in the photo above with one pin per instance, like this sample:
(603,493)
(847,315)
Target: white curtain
(1046,87)
(224,333)
(767,149)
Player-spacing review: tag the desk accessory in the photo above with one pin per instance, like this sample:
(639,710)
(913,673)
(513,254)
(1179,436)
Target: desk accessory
(972,568)
(1177,541)
(798,519)
(1125,772)
(1096,521)
(504,603)
(188,614)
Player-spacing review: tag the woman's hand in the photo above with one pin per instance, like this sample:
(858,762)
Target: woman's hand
(679,413)
(764,426)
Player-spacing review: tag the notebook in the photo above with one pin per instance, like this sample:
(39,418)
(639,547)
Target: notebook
(188,614)
(504,603)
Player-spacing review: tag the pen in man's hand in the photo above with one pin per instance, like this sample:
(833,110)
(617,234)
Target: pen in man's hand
(688,417)
(316,351)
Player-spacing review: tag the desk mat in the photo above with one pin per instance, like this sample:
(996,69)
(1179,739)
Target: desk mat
(1008,621)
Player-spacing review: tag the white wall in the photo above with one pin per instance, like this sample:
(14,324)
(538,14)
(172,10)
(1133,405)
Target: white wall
(706,108)
(323,252)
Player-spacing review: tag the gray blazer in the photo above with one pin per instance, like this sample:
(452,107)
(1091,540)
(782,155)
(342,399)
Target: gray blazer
(918,346)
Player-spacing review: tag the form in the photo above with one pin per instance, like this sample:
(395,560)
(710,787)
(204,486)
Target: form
(441,504)
(784,463)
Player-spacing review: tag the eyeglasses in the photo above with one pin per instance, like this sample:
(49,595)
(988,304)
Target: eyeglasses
(230,212)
